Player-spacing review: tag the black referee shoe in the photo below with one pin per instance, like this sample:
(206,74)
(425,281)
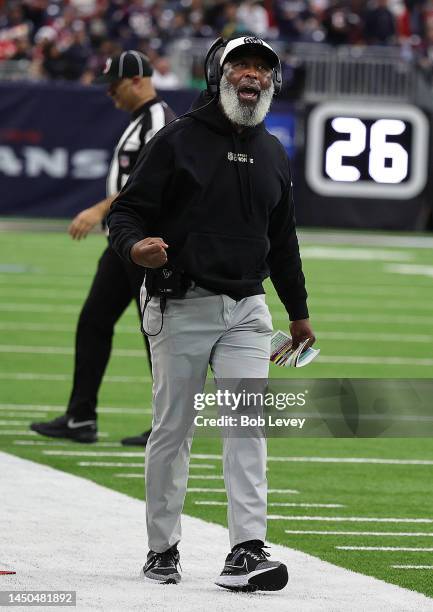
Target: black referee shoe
(68,427)
(162,568)
(247,569)
(140,440)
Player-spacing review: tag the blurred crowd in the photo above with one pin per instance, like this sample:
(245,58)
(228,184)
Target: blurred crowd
(71,39)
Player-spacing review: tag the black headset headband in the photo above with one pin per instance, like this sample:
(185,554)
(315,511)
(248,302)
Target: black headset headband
(212,69)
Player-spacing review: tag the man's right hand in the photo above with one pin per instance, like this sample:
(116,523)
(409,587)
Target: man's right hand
(149,252)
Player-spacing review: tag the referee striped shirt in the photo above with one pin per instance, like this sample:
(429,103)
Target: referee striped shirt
(146,121)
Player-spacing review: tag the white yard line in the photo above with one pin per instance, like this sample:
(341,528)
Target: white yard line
(353,254)
(344,317)
(360,460)
(67,377)
(134,354)
(338,317)
(62,350)
(17,432)
(343,237)
(367,337)
(196,466)
(50,553)
(388,361)
(421,567)
(191,476)
(387,548)
(61,408)
(56,442)
(9,422)
(327,335)
(394,534)
(290,504)
(349,519)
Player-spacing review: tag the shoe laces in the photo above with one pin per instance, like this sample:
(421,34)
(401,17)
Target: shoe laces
(256,552)
(167,558)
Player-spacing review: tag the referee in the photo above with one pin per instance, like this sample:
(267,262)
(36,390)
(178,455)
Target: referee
(116,281)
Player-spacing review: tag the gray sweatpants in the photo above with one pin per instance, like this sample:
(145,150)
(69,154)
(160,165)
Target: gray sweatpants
(234,338)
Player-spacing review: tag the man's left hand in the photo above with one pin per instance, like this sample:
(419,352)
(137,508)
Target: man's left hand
(301,330)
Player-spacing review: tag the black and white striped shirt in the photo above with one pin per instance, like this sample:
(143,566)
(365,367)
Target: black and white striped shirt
(146,121)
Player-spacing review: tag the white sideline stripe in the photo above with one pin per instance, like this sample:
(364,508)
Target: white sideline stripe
(67,377)
(422,567)
(270,458)
(395,534)
(348,519)
(61,408)
(387,548)
(29,552)
(291,504)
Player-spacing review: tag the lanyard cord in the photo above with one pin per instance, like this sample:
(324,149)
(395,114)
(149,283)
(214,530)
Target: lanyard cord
(162,305)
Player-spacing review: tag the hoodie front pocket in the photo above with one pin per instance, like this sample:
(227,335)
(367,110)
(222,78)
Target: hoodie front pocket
(218,256)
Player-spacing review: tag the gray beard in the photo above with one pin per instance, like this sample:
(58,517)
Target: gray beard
(242,114)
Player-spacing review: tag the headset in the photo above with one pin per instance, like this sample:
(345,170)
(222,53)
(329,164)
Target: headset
(212,69)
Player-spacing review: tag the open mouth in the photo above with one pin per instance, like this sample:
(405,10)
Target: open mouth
(249,93)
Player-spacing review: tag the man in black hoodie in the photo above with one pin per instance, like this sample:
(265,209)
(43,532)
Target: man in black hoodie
(208,211)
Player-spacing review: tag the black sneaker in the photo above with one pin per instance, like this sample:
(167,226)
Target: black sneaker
(137,440)
(247,569)
(162,567)
(68,427)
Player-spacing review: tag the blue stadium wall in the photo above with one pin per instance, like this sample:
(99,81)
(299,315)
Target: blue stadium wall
(56,142)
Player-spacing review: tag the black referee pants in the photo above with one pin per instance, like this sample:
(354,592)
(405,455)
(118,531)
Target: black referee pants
(115,284)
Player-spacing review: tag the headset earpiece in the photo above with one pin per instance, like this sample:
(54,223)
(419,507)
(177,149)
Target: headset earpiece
(277,77)
(212,68)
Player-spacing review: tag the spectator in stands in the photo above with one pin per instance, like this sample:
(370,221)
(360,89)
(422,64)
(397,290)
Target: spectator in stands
(23,49)
(380,24)
(163,77)
(254,17)
(291,18)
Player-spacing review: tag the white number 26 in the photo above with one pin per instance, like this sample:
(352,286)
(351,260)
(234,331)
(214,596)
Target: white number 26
(379,168)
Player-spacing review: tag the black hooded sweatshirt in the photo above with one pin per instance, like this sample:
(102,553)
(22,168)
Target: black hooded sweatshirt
(222,201)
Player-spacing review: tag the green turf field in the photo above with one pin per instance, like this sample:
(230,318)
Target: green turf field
(371,309)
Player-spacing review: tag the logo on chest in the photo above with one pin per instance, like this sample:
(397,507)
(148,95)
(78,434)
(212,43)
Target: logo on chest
(240,157)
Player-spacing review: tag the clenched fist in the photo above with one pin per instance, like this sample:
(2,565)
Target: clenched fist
(149,253)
